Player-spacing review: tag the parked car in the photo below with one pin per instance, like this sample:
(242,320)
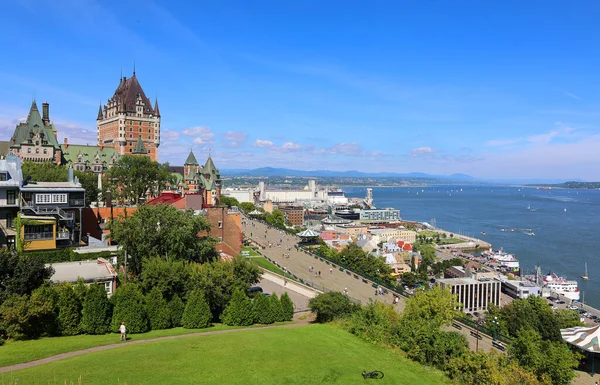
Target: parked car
(573,307)
(560,302)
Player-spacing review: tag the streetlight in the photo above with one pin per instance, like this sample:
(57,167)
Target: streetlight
(479,322)
(495,328)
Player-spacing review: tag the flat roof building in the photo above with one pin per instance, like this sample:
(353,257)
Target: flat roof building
(474,295)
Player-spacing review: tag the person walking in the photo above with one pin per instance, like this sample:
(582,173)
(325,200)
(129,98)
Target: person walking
(331,270)
(123,331)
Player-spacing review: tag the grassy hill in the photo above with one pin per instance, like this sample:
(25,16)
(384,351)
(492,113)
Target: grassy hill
(315,354)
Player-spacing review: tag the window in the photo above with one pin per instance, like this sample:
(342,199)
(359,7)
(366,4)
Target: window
(10,220)
(59,198)
(37,150)
(29,150)
(11,197)
(108,287)
(130,128)
(3,176)
(140,129)
(50,198)
(220,224)
(130,136)
(45,150)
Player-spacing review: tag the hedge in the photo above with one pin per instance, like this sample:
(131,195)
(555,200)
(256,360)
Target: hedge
(68,255)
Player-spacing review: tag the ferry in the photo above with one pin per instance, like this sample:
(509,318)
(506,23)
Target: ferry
(506,262)
(560,285)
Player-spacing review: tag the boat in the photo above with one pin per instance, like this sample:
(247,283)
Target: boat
(507,263)
(585,276)
(530,208)
(560,285)
(483,233)
(531,233)
(544,188)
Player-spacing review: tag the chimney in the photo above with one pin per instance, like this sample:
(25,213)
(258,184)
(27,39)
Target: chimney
(108,199)
(70,174)
(46,113)
(66,143)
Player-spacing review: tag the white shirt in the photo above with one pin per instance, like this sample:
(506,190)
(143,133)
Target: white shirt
(122,329)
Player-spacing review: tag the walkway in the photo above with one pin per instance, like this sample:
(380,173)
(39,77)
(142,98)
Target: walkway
(298,263)
(63,356)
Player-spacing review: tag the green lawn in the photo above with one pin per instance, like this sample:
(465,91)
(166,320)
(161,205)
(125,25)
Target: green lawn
(265,264)
(450,241)
(16,352)
(316,354)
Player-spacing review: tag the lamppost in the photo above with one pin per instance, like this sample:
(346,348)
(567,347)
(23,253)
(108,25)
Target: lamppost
(495,328)
(479,322)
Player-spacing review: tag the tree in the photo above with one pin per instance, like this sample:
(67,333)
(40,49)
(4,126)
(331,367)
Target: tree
(157,310)
(261,310)
(330,306)
(229,201)
(42,311)
(21,274)
(276,309)
(533,313)
(287,306)
(247,207)
(239,310)
(69,310)
(219,279)
(549,360)
(373,322)
(276,218)
(176,309)
(96,313)
(197,313)
(129,307)
(566,318)
(163,231)
(168,276)
(131,177)
(435,307)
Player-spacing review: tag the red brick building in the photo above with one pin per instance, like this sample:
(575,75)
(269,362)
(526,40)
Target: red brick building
(128,122)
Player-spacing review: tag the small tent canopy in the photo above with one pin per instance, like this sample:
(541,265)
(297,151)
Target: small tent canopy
(308,233)
(255,212)
(585,338)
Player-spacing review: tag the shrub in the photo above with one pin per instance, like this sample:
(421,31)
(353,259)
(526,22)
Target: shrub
(176,309)
(374,322)
(42,311)
(287,306)
(261,310)
(276,309)
(332,305)
(13,317)
(95,316)
(197,313)
(69,311)
(157,310)
(239,310)
(129,307)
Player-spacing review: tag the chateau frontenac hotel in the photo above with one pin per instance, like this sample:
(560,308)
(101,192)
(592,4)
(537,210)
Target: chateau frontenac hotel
(128,124)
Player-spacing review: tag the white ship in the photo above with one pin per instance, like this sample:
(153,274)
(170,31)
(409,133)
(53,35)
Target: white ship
(562,286)
(507,262)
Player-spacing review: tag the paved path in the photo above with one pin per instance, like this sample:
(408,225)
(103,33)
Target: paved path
(62,356)
(298,263)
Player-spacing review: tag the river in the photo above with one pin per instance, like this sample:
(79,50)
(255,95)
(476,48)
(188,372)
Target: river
(566,223)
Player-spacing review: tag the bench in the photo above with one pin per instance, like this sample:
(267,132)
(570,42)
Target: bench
(498,345)
(476,335)
(457,326)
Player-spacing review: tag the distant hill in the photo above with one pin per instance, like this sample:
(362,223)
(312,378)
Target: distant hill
(272,171)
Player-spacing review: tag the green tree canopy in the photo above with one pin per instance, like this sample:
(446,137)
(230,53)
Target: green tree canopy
(69,310)
(168,276)
(157,310)
(129,307)
(261,310)
(229,201)
(96,313)
(21,274)
(332,305)
(247,207)
(239,310)
(131,177)
(197,313)
(176,309)
(163,231)
(288,307)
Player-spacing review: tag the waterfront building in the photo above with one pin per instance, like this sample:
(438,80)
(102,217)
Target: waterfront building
(394,235)
(474,293)
(128,122)
(35,139)
(520,289)
(380,215)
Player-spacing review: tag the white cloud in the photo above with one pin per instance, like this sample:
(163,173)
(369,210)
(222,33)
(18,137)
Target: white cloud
(204,135)
(262,143)
(291,146)
(348,148)
(169,136)
(422,151)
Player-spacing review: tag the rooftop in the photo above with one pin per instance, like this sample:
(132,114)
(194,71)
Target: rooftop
(90,271)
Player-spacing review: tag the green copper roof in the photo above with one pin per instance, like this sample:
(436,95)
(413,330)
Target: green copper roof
(209,167)
(88,154)
(191,160)
(191,175)
(139,147)
(34,125)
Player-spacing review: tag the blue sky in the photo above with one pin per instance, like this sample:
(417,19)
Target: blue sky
(494,89)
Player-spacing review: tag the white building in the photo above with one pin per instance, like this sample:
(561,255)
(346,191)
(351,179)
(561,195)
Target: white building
(473,294)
